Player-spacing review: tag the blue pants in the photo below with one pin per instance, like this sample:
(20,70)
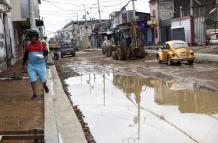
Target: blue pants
(37,69)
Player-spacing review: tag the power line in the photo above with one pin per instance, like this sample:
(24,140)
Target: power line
(70,3)
(60,7)
(112,5)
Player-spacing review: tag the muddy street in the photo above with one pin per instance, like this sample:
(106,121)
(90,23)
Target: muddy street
(141,100)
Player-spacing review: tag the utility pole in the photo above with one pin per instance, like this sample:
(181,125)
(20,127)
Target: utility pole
(32,15)
(99,11)
(216,14)
(86,32)
(180,12)
(85,13)
(134,25)
(133,7)
(77,18)
(191,8)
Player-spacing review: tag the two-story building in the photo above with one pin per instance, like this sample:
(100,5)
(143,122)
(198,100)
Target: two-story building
(20,17)
(161,13)
(198,18)
(14,20)
(85,34)
(78,31)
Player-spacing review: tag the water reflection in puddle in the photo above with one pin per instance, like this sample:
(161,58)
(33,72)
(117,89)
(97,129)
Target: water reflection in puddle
(125,109)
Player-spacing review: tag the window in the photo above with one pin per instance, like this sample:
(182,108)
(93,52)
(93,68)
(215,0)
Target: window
(180,45)
(167,46)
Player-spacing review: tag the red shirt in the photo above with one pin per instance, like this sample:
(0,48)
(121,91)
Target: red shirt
(38,46)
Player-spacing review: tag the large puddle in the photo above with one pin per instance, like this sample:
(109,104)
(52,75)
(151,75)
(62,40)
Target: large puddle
(128,109)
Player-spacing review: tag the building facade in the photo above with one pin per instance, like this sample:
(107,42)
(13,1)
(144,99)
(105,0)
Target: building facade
(161,13)
(197,17)
(7,51)
(20,19)
(14,20)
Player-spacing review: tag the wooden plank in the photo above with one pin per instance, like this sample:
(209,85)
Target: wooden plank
(1,140)
(22,137)
(20,132)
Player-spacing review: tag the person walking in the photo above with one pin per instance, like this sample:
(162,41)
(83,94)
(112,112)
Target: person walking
(44,39)
(35,54)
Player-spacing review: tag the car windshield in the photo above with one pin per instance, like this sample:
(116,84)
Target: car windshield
(180,45)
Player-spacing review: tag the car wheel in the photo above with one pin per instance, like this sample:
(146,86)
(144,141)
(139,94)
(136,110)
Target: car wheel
(120,54)
(109,52)
(179,63)
(158,59)
(190,62)
(73,54)
(169,62)
(114,55)
(103,51)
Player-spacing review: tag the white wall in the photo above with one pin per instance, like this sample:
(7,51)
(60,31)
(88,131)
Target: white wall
(14,58)
(2,46)
(199,34)
(10,34)
(16,11)
(186,23)
(24,6)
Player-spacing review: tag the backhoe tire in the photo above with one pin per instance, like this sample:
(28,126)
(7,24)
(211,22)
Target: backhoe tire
(169,62)
(114,55)
(142,53)
(103,51)
(108,52)
(120,54)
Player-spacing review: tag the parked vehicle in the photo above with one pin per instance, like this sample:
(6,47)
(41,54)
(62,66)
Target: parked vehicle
(175,51)
(67,49)
(212,36)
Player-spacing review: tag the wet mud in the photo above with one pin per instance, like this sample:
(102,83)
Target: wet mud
(150,98)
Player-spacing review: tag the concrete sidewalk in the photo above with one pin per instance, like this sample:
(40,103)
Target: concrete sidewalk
(52,112)
(18,112)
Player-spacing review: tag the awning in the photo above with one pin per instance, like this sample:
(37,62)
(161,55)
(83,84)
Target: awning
(165,22)
(152,22)
(5,7)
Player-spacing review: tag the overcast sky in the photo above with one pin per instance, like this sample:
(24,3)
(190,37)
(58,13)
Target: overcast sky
(57,13)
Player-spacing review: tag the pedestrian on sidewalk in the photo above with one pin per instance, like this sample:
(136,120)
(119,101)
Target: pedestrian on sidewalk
(44,39)
(35,53)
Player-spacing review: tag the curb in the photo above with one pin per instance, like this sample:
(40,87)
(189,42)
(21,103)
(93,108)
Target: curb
(61,124)
(206,57)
